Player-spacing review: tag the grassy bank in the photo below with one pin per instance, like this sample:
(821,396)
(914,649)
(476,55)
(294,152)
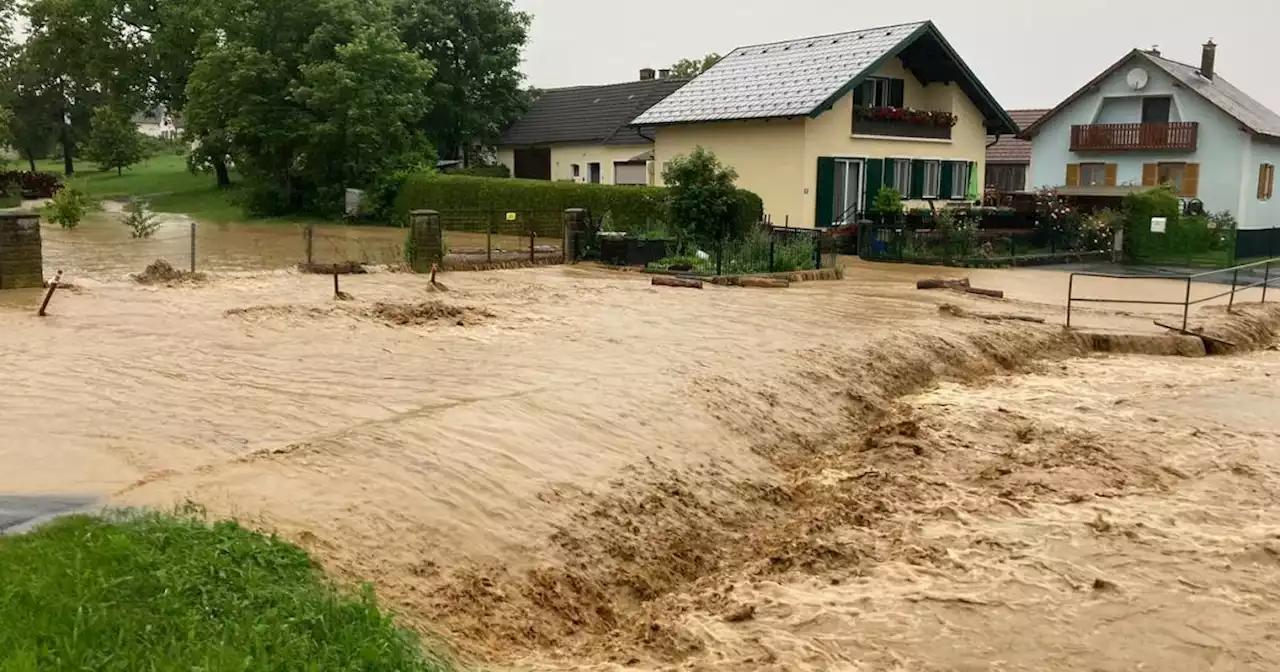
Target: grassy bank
(152,592)
(165,183)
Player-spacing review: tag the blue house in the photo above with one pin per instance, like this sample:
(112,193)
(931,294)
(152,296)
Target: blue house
(1147,121)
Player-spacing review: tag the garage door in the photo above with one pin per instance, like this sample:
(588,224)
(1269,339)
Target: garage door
(533,164)
(630,173)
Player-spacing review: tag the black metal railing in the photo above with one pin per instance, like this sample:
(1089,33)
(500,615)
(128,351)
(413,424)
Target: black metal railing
(1189,279)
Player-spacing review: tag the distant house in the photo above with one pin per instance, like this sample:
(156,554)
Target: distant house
(158,123)
(1148,120)
(582,133)
(817,126)
(1009,157)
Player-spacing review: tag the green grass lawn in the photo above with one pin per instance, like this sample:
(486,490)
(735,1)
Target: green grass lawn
(144,591)
(165,183)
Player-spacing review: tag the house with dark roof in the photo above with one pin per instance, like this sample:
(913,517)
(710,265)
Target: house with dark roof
(584,133)
(1148,120)
(819,125)
(1009,157)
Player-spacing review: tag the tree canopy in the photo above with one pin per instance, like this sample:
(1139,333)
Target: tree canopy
(475,45)
(305,97)
(114,141)
(688,68)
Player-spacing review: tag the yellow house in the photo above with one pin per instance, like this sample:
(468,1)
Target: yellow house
(582,133)
(817,126)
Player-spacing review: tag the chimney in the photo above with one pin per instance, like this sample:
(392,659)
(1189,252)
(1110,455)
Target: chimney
(664,73)
(647,74)
(1206,59)
(1154,50)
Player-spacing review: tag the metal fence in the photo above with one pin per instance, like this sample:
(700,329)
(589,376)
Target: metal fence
(966,246)
(473,237)
(1257,274)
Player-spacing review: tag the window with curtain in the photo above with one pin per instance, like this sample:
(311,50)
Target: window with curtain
(932,178)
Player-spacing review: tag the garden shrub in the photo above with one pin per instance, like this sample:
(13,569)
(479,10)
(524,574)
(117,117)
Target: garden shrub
(498,171)
(67,208)
(1192,240)
(634,209)
(32,185)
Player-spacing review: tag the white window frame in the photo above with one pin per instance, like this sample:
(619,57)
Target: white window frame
(932,178)
(959,180)
(902,177)
(879,88)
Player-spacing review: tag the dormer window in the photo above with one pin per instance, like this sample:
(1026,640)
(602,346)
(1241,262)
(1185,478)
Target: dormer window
(880,92)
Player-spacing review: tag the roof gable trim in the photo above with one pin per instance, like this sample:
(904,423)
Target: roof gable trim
(927,27)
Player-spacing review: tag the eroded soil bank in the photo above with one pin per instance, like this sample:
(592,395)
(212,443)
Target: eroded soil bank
(589,472)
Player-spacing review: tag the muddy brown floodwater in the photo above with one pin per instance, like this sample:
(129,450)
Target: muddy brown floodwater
(565,467)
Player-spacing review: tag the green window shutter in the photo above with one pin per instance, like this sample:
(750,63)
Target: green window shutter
(859,95)
(824,194)
(897,93)
(917,179)
(873,182)
(888,174)
(945,180)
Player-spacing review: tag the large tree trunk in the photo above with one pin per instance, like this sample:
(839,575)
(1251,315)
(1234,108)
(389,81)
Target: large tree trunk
(31,159)
(220,169)
(68,150)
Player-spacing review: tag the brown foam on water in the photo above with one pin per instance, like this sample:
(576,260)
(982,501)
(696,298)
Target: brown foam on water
(610,474)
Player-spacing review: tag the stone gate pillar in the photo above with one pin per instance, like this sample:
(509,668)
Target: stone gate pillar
(426,240)
(21,260)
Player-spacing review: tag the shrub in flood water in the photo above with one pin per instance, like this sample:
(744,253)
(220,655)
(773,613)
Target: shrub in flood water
(144,591)
(67,208)
(141,222)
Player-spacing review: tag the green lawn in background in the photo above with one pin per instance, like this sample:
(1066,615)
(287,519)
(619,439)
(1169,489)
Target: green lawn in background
(144,591)
(166,184)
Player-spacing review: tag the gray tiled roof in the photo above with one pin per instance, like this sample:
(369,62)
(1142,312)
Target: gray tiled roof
(778,79)
(1251,114)
(1236,103)
(589,114)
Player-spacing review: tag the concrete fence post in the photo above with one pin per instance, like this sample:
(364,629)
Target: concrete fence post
(21,254)
(426,240)
(575,225)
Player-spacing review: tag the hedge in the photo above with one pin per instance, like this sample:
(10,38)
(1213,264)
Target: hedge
(633,208)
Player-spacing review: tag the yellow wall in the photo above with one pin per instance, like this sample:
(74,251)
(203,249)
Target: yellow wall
(564,156)
(768,155)
(832,134)
(778,159)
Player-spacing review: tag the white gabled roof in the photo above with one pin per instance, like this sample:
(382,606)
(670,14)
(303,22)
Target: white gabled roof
(779,79)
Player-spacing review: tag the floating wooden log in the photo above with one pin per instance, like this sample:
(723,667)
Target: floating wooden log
(674,281)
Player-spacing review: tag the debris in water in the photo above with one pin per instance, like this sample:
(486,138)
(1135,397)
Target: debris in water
(744,612)
(426,312)
(162,272)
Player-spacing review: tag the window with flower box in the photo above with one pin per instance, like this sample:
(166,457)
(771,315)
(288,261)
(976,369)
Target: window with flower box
(902,122)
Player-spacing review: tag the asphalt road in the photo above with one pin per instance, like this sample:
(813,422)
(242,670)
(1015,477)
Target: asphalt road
(19,513)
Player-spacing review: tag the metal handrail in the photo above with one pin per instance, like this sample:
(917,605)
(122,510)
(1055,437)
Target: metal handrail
(1186,303)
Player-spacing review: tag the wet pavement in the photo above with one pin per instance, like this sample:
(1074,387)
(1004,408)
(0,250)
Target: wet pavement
(19,513)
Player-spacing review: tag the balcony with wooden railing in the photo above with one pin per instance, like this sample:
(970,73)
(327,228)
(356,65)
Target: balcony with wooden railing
(1183,135)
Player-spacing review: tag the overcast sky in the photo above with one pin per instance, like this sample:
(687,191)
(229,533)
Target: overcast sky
(1028,53)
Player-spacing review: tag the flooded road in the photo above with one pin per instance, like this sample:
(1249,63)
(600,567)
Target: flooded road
(566,467)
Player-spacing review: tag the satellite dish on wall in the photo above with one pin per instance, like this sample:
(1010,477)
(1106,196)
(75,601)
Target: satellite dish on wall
(1137,79)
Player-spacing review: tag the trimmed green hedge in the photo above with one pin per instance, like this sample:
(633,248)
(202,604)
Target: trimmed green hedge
(633,209)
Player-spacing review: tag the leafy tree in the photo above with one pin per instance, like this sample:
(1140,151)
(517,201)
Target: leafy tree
(310,96)
(114,140)
(475,45)
(80,55)
(702,200)
(687,68)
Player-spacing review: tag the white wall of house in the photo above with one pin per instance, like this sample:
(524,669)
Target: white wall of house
(1259,214)
(1221,143)
(565,157)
